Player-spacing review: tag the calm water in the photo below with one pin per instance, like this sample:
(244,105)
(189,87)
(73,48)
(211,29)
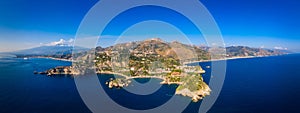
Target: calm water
(258,85)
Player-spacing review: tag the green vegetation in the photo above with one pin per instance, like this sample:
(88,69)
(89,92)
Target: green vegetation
(193,83)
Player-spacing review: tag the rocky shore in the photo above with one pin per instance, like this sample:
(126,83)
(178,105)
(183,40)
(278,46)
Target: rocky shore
(117,83)
(60,70)
(195,95)
(124,82)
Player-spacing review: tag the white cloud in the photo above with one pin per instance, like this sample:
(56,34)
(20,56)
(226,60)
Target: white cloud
(61,42)
(14,40)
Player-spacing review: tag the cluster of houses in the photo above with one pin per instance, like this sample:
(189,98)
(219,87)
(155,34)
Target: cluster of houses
(142,57)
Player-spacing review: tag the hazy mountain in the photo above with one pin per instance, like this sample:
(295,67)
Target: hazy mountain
(48,50)
(234,51)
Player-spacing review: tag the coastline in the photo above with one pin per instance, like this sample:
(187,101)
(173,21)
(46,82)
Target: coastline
(134,77)
(232,58)
(199,61)
(52,58)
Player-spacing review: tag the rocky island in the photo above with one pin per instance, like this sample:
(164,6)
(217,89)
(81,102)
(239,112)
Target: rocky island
(60,70)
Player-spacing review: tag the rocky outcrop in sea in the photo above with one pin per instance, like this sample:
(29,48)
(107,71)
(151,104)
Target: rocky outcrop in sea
(60,70)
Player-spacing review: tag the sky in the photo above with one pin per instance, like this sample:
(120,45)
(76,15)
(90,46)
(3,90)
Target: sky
(255,23)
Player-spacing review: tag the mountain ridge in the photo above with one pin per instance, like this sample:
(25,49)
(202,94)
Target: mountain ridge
(155,45)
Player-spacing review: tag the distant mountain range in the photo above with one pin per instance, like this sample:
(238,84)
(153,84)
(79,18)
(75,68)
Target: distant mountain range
(243,51)
(57,51)
(156,46)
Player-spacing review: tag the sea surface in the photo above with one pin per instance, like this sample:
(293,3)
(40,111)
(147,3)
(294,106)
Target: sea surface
(254,85)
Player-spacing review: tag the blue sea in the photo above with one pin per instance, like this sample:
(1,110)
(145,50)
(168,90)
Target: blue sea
(254,85)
